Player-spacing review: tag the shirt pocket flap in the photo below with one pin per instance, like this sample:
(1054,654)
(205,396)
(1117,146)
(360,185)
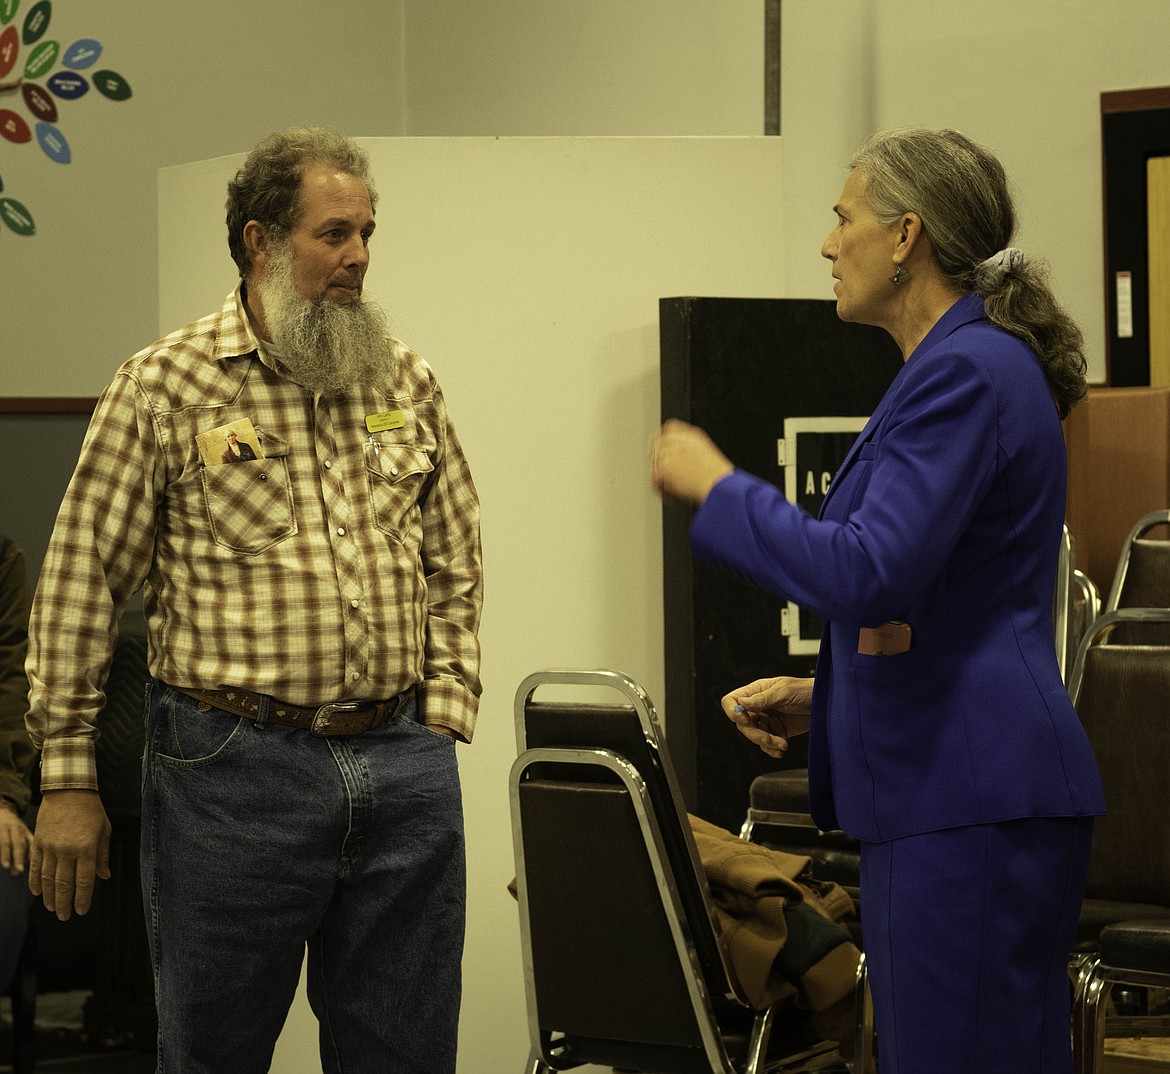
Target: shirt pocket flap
(272,446)
(397,462)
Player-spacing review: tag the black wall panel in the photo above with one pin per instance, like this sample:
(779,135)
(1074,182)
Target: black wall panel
(738,368)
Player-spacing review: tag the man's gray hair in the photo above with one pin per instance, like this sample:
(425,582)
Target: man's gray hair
(268,187)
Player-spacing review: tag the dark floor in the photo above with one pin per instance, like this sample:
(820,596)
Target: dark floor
(61,1045)
(94,1063)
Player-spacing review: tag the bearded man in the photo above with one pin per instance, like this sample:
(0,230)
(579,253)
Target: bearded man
(313,617)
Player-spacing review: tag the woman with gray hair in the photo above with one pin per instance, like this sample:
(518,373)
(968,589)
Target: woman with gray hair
(940,732)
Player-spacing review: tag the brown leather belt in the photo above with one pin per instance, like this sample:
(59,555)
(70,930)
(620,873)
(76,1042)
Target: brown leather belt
(336,718)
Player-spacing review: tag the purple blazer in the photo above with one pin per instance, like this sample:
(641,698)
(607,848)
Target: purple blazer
(947,514)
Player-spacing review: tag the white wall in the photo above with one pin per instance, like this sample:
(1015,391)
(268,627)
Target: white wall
(561,67)
(529,271)
(1022,76)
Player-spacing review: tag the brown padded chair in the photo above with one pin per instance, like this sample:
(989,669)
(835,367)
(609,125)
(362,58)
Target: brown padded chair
(1142,578)
(623,965)
(1122,695)
(1134,953)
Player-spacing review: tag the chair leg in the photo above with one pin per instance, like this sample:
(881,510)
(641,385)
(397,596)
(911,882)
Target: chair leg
(1089,1007)
(23,994)
(536,1065)
(863,1057)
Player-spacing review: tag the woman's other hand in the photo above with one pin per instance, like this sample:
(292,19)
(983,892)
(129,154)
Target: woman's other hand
(769,712)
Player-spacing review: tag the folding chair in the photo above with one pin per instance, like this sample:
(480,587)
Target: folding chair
(1122,695)
(622,958)
(1130,953)
(1142,578)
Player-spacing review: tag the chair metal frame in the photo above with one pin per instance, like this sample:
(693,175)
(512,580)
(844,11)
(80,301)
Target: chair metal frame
(1091,594)
(548,1052)
(1062,599)
(1090,1006)
(1100,629)
(1068,626)
(1139,528)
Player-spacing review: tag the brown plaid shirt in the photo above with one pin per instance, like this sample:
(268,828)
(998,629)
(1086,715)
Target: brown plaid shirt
(344,563)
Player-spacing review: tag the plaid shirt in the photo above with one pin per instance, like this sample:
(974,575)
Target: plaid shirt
(344,563)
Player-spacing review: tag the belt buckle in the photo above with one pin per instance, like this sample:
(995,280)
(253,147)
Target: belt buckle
(325,713)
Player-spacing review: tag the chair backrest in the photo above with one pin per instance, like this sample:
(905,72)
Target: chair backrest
(118,750)
(1122,695)
(1142,578)
(620,944)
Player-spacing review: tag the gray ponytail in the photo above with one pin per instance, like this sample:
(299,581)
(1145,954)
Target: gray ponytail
(960,192)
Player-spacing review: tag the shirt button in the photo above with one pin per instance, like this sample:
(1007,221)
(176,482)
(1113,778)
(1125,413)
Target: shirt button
(355,676)
(340,531)
(393,471)
(354,603)
(328,464)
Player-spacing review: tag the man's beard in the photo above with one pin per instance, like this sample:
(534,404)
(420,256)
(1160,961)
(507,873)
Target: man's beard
(325,346)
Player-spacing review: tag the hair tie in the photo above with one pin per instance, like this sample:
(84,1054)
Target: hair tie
(1000,264)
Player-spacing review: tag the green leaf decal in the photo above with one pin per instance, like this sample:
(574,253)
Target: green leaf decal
(42,58)
(112,85)
(16,216)
(36,22)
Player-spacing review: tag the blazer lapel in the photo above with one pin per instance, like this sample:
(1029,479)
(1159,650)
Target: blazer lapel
(967,308)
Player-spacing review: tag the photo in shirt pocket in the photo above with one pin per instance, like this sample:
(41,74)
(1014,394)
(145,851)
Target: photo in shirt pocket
(235,442)
(251,508)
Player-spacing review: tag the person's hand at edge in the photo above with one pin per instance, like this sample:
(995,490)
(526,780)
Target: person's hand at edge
(15,839)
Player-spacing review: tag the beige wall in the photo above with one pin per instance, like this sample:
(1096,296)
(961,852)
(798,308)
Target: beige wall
(208,78)
(558,67)
(1022,75)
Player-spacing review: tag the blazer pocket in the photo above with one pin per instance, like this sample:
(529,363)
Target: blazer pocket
(878,667)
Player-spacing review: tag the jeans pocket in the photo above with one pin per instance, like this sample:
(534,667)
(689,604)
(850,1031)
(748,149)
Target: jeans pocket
(433,733)
(189,736)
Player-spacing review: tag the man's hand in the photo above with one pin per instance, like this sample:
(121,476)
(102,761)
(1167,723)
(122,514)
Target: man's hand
(71,849)
(769,712)
(685,463)
(15,839)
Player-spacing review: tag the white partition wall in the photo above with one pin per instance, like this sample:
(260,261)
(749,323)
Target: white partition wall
(528,271)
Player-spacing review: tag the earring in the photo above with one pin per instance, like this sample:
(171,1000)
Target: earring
(900,276)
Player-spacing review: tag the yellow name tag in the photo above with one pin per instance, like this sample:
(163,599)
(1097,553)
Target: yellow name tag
(379,423)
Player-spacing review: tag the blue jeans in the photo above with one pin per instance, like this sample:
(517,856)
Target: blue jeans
(258,839)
